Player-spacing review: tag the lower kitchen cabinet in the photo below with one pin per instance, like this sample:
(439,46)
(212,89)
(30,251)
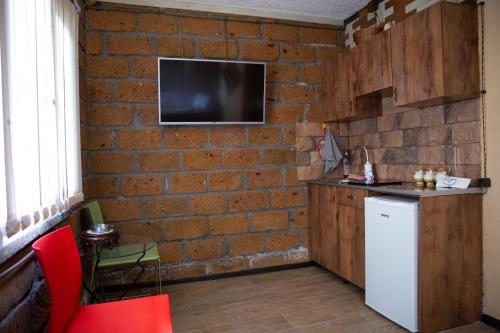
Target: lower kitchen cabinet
(337,231)
(449,249)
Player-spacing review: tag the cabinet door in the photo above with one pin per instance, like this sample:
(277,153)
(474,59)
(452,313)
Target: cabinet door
(335,87)
(323,228)
(351,244)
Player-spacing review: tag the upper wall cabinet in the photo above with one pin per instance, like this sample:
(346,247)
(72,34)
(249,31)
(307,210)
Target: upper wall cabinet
(338,96)
(435,56)
(372,64)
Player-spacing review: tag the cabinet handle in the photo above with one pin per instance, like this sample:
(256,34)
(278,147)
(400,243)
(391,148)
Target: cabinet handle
(351,197)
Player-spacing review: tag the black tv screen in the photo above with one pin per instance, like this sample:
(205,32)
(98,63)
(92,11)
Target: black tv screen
(194,92)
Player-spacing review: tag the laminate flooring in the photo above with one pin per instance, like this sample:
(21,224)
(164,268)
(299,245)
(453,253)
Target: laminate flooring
(303,300)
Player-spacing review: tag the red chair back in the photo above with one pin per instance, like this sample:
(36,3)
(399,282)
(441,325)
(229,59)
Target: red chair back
(58,256)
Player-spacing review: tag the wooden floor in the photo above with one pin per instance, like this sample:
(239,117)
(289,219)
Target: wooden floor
(301,300)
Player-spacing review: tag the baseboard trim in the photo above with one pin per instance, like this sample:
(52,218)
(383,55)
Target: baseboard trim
(491,321)
(217,276)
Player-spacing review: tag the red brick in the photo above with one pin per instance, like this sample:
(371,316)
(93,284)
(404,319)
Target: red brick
(98,91)
(186,228)
(318,36)
(205,249)
(170,253)
(146,67)
(181,272)
(138,138)
(246,244)
(148,114)
(259,51)
(298,218)
(281,32)
(225,181)
(142,185)
(158,23)
(111,162)
(281,73)
(310,74)
(265,221)
(298,53)
(243,29)
(325,53)
(137,91)
(288,197)
(279,156)
(100,67)
(187,182)
(151,230)
(297,94)
(291,177)
(264,178)
(229,265)
(217,48)
(93,42)
(289,136)
(207,203)
(120,209)
(165,206)
(241,158)
(103,186)
(282,241)
(185,137)
(228,224)
(267,261)
(174,47)
(100,139)
(264,135)
(245,201)
(202,159)
(284,114)
(200,26)
(272,93)
(158,161)
(227,136)
(129,45)
(111,20)
(110,115)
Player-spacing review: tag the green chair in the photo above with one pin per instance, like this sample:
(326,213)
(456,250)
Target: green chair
(91,214)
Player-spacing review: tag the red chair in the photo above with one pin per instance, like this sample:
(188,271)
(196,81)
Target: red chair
(58,256)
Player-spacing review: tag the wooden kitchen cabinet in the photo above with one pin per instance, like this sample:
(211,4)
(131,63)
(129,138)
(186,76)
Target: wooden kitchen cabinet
(337,231)
(338,98)
(323,225)
(435,56)
(372,65)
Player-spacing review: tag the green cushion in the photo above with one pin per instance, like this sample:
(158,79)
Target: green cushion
(151,254)
(94,212)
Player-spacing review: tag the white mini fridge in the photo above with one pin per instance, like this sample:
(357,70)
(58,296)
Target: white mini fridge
(391,258)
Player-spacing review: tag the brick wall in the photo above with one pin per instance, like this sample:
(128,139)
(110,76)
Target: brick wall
(402,140)
(217,198)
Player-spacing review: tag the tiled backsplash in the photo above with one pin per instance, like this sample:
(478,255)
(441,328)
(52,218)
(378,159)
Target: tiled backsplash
(402,140)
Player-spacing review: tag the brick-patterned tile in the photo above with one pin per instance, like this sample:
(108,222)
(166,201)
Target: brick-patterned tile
(281,32)
(269,220)
(391,139)
(246,244)
(111,20)
(203,249)
(463,111)
(466,132)
(410,119)
(228,224)
(142,185)
(186,228)
(259,51)
(157,23)
(264,178)
(387,122)
(243,29)
(186,182)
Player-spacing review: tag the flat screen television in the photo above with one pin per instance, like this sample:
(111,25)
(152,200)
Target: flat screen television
(198,92)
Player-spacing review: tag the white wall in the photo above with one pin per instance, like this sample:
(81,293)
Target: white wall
(491,205)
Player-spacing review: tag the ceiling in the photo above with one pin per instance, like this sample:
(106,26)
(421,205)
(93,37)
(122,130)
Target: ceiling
(332,12)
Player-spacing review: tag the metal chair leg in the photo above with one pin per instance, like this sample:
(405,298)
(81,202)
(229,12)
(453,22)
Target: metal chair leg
(159,275)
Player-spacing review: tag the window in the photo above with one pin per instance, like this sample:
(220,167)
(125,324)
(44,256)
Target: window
(40,168)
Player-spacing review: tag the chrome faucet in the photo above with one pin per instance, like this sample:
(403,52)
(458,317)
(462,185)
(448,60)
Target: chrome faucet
(368,170)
